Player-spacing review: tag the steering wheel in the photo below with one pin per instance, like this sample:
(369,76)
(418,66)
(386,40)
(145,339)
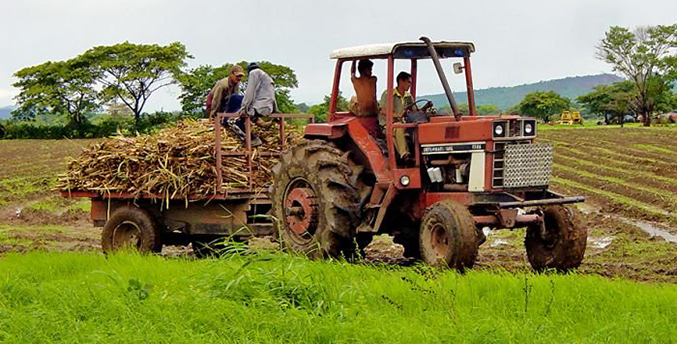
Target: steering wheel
(411,106)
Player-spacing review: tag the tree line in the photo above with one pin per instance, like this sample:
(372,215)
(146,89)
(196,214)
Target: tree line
(645,56)
(122,77)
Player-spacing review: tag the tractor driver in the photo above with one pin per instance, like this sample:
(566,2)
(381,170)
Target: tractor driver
(402,101)
(364,103)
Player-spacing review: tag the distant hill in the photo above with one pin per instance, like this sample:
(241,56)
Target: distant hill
(6,111)
(505,97)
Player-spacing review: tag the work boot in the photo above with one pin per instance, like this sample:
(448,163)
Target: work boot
(234,126)
(263,124)
(256,141)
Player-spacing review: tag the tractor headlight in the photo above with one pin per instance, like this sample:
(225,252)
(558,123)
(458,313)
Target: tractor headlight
(528,129)
(404,180)
(499,130)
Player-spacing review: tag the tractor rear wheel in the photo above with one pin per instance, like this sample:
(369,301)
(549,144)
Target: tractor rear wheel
(448,237)
(132,228)
(315,195)
(561,246)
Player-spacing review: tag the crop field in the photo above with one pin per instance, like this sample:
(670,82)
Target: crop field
(32,215)
(623,292)
(629,179)
(628,175)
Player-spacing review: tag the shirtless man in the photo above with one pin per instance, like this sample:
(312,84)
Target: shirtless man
(365,90)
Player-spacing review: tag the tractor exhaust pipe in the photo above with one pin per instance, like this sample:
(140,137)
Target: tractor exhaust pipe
(443,78)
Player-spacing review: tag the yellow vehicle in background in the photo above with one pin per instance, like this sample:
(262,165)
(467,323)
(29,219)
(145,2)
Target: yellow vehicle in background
(570,118)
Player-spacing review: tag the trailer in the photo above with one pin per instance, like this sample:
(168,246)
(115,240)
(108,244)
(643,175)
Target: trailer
(148,222)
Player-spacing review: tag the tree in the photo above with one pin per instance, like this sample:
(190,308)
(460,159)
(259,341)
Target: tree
(133,72)
(543,104)
(62,88)
(303,107)
(197,82)
(321,111)
(640,55)
(482,110)
(488,110)
(610,101)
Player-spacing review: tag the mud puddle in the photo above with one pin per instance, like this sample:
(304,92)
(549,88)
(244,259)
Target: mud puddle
(600,243)
(651,228)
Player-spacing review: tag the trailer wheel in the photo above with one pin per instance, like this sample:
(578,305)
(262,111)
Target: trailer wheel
(315,195)
(131,228)
(562,246)
(448,237)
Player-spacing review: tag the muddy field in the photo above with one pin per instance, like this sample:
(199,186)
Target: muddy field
(629,177)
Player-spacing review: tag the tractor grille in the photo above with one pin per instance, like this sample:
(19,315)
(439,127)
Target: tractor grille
(523,165)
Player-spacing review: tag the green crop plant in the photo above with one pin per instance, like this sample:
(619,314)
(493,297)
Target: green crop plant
(278,298)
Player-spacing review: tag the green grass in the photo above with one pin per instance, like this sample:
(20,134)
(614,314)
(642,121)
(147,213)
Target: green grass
(654,148)
(43,229)
(7,240)
(83,204)
(275,298)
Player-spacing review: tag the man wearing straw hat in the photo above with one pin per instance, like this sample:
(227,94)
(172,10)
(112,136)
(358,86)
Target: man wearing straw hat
(226,93)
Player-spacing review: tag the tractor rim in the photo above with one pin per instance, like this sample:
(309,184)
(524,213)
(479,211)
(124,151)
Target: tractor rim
(439,240)
(127,234)
(301,209)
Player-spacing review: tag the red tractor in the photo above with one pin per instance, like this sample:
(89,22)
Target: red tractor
(333,193)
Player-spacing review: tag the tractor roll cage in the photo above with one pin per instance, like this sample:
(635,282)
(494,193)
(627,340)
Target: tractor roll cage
(412,51)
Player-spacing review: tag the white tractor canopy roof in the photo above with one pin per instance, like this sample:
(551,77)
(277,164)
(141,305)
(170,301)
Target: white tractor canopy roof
(405,50)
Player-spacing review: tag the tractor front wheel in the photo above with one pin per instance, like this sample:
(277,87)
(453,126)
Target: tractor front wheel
(448,237)
(560,244)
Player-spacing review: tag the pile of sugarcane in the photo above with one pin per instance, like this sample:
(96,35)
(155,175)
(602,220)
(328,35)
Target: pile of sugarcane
(175,162)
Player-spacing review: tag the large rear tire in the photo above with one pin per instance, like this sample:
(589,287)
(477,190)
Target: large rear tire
(448,237)
(131,228)
(563,245)
(315,193)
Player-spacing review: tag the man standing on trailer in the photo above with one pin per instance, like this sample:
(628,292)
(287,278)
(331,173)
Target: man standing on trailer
(259,101)
(226,93)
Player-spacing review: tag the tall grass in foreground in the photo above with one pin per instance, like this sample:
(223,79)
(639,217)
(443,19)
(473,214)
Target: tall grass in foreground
(276,298)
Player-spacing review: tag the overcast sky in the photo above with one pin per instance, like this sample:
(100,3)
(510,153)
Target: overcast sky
(517,41)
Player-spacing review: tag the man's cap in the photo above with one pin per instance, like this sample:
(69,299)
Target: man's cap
(237,70)
(251,66)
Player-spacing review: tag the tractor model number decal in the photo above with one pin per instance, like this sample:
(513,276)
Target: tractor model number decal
(441,149)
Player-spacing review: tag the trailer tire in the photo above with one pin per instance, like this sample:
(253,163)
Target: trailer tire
(448,237)
(564,248)
(315,193)
(132,228)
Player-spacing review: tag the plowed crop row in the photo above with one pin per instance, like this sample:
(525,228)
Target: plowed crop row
(632,171)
